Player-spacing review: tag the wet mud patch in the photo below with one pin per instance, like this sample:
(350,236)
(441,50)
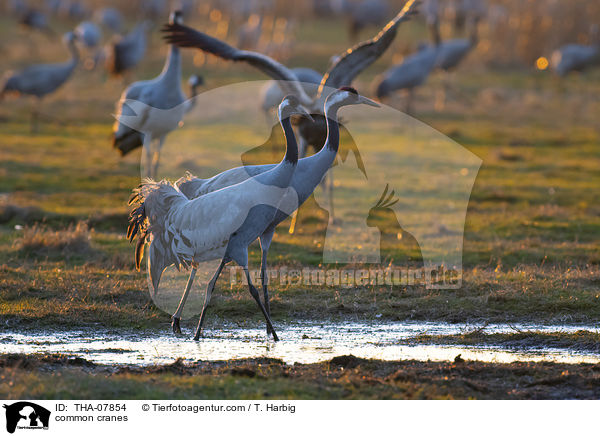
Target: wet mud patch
(342,377)
(310,342)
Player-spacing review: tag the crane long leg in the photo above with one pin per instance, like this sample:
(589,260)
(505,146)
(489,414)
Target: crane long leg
(156,157)
(265,243)
(177,315)
(209,290)
(148,154)
(256,297)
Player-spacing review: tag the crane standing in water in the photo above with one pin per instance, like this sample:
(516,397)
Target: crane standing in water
(309,174)
(220,224)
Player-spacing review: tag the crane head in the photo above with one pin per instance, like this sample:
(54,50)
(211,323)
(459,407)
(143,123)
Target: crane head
(290,105)
(346,96)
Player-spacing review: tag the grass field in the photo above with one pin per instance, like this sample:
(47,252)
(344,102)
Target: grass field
(530,254)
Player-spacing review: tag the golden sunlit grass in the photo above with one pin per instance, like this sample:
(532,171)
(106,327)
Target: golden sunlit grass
(530,246)
(74,240)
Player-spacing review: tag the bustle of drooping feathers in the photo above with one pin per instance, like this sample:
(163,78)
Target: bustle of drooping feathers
(149,220)
(128,141)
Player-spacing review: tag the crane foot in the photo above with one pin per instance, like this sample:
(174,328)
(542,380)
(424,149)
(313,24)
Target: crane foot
(198,335)
(175,325)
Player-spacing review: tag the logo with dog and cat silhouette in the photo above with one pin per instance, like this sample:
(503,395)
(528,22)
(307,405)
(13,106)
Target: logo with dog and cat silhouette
(25,415)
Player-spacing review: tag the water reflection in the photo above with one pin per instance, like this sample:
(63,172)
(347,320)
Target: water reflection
(303,343)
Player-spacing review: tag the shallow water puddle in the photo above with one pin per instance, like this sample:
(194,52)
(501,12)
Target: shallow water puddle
(303,342)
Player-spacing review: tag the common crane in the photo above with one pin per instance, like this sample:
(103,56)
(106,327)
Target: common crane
(574,57)
(132,139)
(91,36)
(308,175)
(88,33)
(41,80)
(220,224)
(128,51)
(408,75)
(110,18)
(348,66)
(36,20)
(452,52)
(414,69)
(151,107)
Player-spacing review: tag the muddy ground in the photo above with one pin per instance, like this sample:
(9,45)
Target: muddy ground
(343,377)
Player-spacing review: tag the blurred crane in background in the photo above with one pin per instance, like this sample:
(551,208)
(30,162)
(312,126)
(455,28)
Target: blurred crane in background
(128,51)
(41,80)
(152,109)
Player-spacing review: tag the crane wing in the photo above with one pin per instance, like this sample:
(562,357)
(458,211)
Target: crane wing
(359,57)
(184,36)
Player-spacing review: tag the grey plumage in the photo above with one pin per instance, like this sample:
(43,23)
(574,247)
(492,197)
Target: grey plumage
(35,19)
(130,139)
(452,52)
(220,224)
(272,94)
(351,63)
(574,57)
(409,74)
(128,51)
(462,11)
(159,107)
(88,33)
(414,70)
(110,18)
(308,174)
(41,80)
(74,10)
(348,66)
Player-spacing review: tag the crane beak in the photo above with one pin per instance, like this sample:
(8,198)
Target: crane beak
(367,101)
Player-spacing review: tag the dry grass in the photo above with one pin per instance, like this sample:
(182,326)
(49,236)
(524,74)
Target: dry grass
(39,240)
(343,377)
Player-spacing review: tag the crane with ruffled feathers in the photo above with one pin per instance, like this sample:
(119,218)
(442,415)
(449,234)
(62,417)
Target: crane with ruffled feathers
(185,232)
(308,175)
